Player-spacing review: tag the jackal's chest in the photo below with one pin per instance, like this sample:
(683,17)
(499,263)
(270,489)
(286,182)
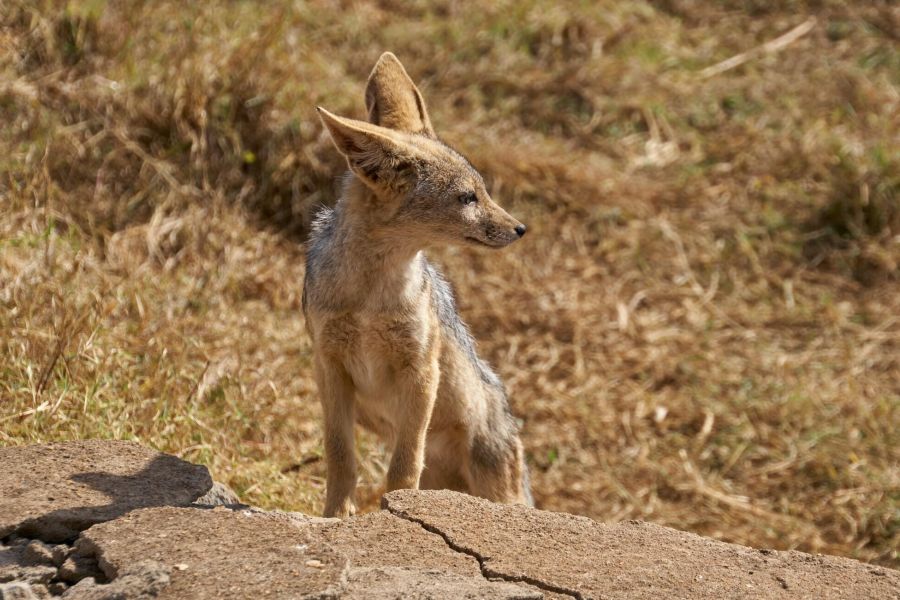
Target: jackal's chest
(376,349)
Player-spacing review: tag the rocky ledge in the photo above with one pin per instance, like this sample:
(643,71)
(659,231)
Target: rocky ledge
(114,520)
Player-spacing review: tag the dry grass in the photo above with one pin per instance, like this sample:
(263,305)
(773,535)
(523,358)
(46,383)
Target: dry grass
(702,328)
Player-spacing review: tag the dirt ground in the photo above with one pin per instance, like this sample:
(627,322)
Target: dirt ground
(700,329)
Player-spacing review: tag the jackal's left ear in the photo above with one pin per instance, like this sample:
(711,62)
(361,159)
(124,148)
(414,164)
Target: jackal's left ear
(393,100)
(373,153)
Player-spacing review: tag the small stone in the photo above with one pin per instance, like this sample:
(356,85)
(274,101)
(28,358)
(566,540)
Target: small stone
(75,568)
(57,588)
(16,591)
(60,552)
(143,580)
(82,589)
(37,553)
(316,564)
(181,567)
(13,567)
(19,590)
(40,591)
(219,495)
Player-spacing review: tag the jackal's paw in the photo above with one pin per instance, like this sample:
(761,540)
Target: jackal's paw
(402,483)
(341,510)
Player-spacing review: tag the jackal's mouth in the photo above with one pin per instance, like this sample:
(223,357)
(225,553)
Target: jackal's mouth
(483,243)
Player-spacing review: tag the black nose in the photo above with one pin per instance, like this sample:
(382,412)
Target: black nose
(520,229)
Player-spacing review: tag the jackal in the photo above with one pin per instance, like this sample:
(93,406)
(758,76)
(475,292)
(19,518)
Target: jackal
(391,351)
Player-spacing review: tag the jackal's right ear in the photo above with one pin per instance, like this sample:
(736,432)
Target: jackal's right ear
(372,152)
(393,100)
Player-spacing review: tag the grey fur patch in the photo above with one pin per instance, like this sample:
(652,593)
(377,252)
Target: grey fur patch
(445,304)
(321,231)
(488,452)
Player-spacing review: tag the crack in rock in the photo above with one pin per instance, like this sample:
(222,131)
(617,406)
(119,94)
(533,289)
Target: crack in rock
(137,523)
(486,571)
(582,558)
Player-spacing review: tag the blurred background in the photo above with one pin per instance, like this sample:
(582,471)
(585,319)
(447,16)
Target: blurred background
(702,328)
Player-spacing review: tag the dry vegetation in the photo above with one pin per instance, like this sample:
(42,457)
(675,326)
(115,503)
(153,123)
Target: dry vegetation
(702,328)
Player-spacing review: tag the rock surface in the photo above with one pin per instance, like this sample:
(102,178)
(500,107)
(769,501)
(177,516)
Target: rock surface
(18,590)
(143,580)
(382,540)
(586,559)
(16,566)
(218,553)
(77,567)
(397,583)
(54,491)
(138,524)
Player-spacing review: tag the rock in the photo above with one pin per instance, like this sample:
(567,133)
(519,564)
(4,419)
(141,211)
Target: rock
(297,518)
(60,552)
(395,583)
(18,591)
(85,588)
(77,567)
(146,579)
(14,567)
(54,491)
(578,556)
(307,519)
(37,553)
(40,591)
(149,525)
(219,553)
(382,540)
(220,495)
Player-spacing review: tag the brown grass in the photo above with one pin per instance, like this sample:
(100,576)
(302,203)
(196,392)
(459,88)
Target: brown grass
(701,328)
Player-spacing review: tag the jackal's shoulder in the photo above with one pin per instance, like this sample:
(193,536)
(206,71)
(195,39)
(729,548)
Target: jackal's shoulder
(452,325)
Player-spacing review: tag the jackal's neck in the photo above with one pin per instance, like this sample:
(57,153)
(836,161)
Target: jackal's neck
(370,265)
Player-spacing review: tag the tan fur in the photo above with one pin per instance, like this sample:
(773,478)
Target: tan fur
(390,351)
(393,100)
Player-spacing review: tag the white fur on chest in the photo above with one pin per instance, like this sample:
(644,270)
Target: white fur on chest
(370,361)
(379,363)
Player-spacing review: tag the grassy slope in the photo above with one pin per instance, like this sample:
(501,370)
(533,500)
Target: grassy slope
(701,328)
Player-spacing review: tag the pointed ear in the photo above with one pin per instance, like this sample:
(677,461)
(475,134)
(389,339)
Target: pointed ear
(374,154)
(393,100)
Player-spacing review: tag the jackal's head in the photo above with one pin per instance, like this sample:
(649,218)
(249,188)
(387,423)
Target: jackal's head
(423,191)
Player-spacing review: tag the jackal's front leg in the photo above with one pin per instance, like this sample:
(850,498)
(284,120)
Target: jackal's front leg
(417,394)
(336,392)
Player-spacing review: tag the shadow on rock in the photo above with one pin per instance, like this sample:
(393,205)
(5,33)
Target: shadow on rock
(79,497)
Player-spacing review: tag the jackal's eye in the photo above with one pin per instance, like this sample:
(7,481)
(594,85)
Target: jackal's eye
(468,198)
